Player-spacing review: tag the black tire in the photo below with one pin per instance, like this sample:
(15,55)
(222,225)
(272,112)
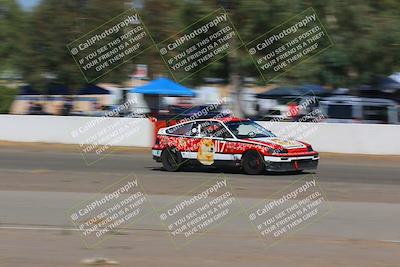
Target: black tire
(171,159)
(253,163)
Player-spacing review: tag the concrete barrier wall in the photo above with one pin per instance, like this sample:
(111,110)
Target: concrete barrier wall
(325,137)
(378,139)
(76,130)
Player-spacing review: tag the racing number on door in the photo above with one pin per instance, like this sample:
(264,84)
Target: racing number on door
(220,146)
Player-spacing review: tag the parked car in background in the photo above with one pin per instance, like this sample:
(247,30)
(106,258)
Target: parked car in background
(353,109)
(287,108)
(199,112)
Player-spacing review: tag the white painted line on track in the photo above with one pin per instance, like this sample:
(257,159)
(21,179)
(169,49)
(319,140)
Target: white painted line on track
(69,229)
(390,241)
(38,228)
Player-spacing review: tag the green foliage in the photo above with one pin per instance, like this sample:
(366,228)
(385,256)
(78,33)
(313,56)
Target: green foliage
(53,25)
(365,35)
(7,96)
(10,22)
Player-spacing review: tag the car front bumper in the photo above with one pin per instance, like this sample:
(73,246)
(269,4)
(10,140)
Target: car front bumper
(291,163)
(156,154)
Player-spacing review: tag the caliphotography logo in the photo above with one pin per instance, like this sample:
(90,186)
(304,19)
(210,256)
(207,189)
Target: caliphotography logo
(202,209)
(117,206)
(100,136)
(110,45)
(199,45)
(288,44)
(300,204)
(199,133)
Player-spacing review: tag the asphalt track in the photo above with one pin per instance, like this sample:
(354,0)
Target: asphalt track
(38,186)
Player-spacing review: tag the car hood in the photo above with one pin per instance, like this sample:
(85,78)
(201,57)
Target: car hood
(285,143)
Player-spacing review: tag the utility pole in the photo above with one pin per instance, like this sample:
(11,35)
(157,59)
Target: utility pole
(233,63)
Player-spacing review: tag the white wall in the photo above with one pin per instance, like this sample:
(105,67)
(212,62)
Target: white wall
(325,137)
(76,130)
(377,139)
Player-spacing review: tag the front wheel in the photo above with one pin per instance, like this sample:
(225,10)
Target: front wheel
(252,163)
(171,159)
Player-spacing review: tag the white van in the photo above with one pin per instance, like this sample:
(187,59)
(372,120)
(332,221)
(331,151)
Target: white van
(353,109)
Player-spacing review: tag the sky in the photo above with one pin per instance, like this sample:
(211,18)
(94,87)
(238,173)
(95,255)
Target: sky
(28,4)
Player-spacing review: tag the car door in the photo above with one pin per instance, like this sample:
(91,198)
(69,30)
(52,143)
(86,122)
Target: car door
(188,142)
(215,137)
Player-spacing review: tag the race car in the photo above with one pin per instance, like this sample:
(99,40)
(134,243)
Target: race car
(230,141)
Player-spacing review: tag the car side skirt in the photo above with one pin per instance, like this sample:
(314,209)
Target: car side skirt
(271,163)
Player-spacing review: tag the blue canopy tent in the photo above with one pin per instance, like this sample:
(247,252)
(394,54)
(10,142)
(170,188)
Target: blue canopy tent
(59,90)
(163,86)
(93,90)
(52,90)
(154,90)
(98,98)
(28,90)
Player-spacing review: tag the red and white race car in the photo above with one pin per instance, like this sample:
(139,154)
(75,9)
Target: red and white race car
(231,141)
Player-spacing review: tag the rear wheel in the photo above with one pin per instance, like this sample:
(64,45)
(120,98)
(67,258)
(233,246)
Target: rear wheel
(171,159)
(252,163)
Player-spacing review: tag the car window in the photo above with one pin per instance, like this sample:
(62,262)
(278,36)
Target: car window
(195,129)
(183,129)
(340,111)
(214,129)
(248,129)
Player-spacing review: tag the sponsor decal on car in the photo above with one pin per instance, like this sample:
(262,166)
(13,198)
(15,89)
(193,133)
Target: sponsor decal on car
(206,151)
(286,143)
(208,147)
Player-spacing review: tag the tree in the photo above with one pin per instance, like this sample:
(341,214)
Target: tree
(365,34)
(50,27)
(10,34)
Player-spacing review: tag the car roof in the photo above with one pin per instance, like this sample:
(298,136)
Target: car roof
(229,119)
(223,119)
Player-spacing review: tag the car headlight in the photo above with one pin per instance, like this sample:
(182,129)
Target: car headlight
(281,151)
(270,150)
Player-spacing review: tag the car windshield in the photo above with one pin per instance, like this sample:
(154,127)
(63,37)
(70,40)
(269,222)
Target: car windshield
(248,129)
